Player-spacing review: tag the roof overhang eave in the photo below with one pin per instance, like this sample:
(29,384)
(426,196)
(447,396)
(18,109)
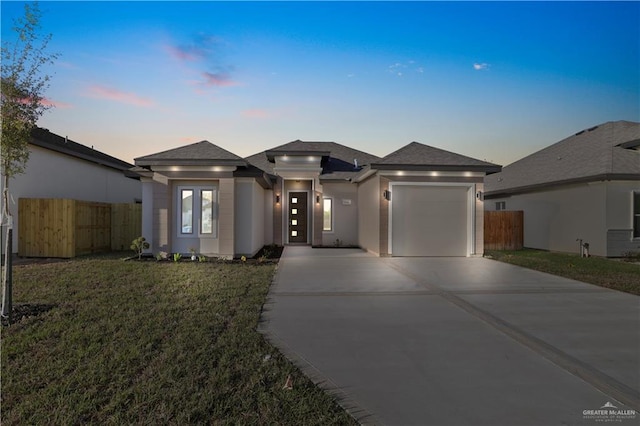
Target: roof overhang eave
(189,162)
(507,192)
(72,153)
(271,155)
(488,169)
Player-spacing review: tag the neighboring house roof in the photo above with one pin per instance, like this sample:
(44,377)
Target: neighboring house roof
(608,151)
(45,139)
(417,156)
(338,160)
(200,153)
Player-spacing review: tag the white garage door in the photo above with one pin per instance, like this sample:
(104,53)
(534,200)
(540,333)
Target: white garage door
(429,220)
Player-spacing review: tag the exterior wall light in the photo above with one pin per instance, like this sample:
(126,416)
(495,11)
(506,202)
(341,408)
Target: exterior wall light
(479,196)
(386,194)
(277,198)
(317,199)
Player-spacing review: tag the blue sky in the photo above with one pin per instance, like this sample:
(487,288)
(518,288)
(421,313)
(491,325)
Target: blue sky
(491,80)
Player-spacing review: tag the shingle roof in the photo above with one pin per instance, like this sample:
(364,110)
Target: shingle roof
(45,139)
(199,153)
(338,164)
(601,152)
(418,156)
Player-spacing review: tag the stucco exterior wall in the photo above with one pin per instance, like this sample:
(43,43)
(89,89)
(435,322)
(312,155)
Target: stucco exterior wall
(620,218)
(345,213)
(369,196)
(50,174)
(250,218)
(162,217)
(479,221)
(226,218)
(269,207)
(555,218)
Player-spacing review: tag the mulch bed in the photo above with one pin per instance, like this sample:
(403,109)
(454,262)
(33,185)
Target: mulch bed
(26,310)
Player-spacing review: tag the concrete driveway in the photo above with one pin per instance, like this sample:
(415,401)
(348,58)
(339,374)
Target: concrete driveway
(456,341)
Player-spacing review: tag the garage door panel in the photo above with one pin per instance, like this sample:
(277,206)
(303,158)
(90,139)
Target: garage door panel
(429,220)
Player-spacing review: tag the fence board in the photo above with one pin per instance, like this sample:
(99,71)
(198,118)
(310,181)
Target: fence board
(93,227)
(49,227)
(126,221)
(45,227)
(503,230)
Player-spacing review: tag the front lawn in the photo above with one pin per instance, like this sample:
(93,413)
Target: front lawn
(152,343)
(609,273)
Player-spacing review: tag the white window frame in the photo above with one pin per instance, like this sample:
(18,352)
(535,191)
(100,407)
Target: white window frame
(332,211)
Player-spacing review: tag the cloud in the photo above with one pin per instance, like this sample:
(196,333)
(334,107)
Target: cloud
(181,53)
(202,47)
(56,104)
(218,79)
(188,139)
(255,113)
(400,68)
(480,66)
(111,94)
(203,56)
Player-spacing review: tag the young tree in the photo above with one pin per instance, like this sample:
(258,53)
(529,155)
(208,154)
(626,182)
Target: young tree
(22,85)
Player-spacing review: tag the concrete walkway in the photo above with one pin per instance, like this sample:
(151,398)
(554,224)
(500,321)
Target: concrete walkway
(455,341)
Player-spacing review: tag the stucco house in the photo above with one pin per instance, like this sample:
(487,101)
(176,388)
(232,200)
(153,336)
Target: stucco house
(586,187)
(417,201)
(61,168)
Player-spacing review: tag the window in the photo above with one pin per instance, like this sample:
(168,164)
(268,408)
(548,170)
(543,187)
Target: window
(206,211)
(501,205)
(636,215)
(327,222)
(186,224)
(197,211)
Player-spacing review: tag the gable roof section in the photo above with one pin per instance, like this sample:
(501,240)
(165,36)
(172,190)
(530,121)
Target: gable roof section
(45,139)
(202,153)
(337,164)
(604,152)
(417,156)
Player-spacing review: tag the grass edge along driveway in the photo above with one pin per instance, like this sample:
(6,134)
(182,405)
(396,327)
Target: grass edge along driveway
(146,342)
(603,272)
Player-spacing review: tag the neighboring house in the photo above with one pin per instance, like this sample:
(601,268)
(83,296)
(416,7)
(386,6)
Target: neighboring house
(61,168)
(586,187)
(417,201)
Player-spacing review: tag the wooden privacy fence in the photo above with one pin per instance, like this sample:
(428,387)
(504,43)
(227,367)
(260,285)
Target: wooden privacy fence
(503,230)
(55,227)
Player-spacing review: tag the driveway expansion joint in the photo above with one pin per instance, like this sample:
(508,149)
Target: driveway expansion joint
(604,383)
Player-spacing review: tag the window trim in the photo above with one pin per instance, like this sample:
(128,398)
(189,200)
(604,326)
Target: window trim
(213,204)
(196,211)
(634,214)
(331,212)
(182,213)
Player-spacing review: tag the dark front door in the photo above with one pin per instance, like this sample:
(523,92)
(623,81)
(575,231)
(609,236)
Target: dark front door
(297,217)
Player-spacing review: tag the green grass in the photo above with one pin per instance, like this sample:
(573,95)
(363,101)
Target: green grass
(614,274)
(150,343)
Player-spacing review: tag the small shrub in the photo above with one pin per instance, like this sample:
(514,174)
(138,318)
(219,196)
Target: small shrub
(177,257)
(631,256)
(161,256)
(139,245)
(202,258)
